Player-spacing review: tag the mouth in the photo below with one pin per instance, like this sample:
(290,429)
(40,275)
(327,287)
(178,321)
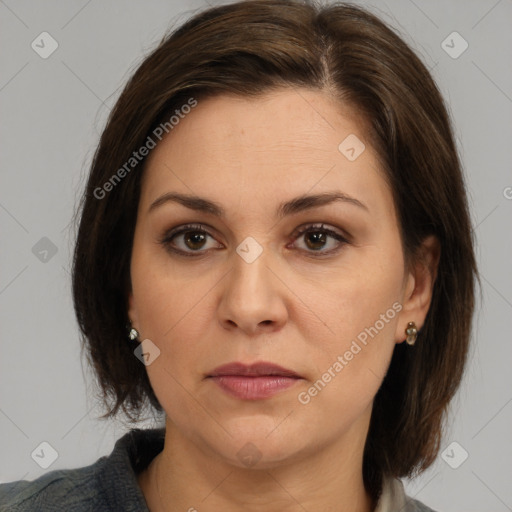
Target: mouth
(260,369)
(253,382)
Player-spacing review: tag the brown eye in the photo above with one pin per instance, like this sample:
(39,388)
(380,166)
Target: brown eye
(194,239)
(189,240)
(316,238)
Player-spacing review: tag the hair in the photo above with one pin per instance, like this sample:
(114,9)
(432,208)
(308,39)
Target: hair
(253,47)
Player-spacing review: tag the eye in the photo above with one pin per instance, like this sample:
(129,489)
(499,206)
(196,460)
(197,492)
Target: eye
(316,238)
(191,239)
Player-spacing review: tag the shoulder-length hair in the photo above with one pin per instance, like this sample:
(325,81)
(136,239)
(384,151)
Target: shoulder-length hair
(249,48)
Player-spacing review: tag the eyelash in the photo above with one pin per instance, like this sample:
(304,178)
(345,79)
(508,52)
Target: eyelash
(198,228)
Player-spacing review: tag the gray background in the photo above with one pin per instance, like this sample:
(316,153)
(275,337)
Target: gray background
(52,112)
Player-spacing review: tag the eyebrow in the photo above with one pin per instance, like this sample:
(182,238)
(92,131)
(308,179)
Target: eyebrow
(293,206)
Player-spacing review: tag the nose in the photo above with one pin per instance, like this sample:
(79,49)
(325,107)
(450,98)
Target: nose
(253,297)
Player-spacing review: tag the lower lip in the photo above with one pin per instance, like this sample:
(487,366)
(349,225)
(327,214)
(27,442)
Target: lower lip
(253,388)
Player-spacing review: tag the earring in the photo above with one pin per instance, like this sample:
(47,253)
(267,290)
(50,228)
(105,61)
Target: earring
(133,334)
(411,332)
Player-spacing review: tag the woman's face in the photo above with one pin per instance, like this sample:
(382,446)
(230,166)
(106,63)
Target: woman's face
(247,287)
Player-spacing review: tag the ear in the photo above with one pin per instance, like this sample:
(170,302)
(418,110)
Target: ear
(418,286)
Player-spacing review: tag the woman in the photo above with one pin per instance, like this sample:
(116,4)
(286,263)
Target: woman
(276,205)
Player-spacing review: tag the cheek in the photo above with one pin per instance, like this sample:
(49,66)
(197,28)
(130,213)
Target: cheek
(171,310)
(360,293)
(169,307)
(170,316)
(360,309)
(360,341)
(166,297)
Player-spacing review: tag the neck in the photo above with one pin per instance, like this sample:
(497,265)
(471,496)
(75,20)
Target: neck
(186,477)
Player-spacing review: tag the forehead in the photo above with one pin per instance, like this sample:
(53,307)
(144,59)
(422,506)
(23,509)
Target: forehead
(229,147)
(304,120)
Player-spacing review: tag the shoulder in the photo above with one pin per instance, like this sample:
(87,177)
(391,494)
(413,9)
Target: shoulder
(70,489)
(110,483)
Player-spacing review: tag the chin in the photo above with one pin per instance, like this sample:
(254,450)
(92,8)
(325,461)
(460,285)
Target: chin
(262,446)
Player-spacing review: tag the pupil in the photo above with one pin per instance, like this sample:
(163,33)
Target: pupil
(196,238)
(318,237)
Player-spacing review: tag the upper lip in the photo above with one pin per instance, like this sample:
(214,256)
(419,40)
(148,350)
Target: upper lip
(253,370)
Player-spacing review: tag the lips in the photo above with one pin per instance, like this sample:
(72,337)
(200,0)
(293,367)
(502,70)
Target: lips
(256,381)
(260,369)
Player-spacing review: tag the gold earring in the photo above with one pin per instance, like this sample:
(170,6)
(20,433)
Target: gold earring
(411,332)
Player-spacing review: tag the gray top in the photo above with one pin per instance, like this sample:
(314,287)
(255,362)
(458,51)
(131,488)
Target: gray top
(110,484)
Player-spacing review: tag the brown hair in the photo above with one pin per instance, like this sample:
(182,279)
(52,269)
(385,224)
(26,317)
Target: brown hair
(248,48)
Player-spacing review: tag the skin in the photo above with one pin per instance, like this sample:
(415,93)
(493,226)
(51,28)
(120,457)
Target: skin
(290,306)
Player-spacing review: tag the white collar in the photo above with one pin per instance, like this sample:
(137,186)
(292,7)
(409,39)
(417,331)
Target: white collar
(393,496)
